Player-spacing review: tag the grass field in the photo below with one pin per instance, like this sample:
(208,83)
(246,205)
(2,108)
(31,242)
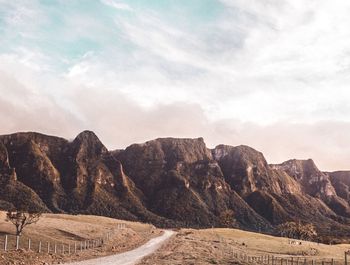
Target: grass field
(187,247)
(216,246)
(256,243)
(68,229)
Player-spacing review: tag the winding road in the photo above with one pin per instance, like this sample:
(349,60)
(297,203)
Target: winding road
(131,257)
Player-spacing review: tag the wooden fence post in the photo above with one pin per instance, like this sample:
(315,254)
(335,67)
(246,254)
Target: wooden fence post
(69,249)
(75,247)
(62,248)
(55,249)
(29,243)
(39,249)
(48,247)
(17,242)
(5,243)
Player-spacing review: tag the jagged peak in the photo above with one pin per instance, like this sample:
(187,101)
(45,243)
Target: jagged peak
(87,135)
(314,181)
(242,151)
(298,165)
(90,140)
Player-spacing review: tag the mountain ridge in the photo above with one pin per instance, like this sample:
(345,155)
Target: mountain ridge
(169,182)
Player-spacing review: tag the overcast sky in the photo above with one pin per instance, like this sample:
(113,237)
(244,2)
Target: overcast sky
(271,74)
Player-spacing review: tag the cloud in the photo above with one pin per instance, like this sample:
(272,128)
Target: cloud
(117,5)
(271,74)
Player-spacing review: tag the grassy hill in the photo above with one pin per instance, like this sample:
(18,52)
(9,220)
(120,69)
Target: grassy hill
(68,229)
(218,246)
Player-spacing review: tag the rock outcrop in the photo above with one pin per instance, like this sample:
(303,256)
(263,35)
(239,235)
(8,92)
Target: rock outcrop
(169,182)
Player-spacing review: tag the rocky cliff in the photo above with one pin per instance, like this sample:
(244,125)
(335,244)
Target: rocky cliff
(169,182)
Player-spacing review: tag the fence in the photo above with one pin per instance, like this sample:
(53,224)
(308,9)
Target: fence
(10,242)
(272,260)
(246,258)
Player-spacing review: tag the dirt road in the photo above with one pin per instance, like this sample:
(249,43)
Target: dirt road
(130,257)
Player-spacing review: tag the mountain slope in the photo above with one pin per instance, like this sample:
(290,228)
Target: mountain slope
(169,182)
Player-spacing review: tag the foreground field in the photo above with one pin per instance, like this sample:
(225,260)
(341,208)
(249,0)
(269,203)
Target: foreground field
(68,229)
(218,246)
(186,247)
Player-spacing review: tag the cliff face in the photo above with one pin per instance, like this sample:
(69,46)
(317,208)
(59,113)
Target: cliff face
(168,181)
(247,171)
(182,182)
(76,177)
(341,182)
(13,193)
(313,181)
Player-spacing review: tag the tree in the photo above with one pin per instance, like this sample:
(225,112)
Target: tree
(21,219)
(227,219)
(297,230)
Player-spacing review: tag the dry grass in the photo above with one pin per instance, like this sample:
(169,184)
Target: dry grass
(68,229)
(216,246)
(263,244)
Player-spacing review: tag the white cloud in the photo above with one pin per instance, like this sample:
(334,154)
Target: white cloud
(260,72)
(117,5)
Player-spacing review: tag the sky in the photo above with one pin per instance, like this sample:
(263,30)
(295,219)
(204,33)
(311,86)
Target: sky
(271,74)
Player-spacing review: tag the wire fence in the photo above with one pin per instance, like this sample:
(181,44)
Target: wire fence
(12,242)
(275,260)
(245,257)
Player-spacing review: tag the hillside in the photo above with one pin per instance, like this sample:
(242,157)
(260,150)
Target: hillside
(230,246)
(69,229)
(169,182)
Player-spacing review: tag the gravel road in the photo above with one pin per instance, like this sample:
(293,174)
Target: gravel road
(131,257)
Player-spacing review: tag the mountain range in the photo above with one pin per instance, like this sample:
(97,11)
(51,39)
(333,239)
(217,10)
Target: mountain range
(170,182)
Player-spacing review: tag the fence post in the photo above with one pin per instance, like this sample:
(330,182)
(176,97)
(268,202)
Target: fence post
(17,242)
(29,244)
(62,248)
(69,249)
(75,247)
(39,250)
(5,243)
(55,250)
